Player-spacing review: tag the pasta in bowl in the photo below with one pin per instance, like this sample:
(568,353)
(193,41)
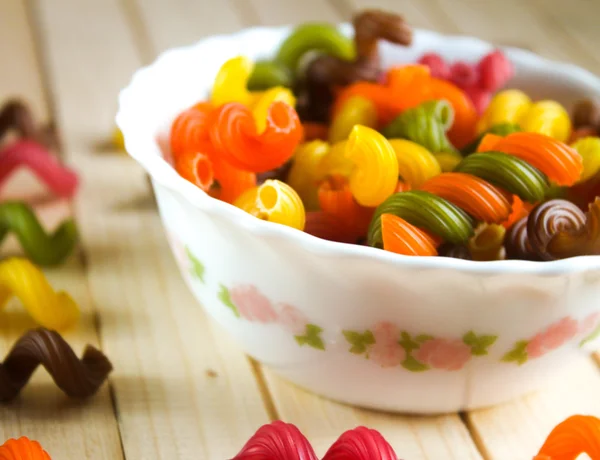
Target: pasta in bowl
(351,322)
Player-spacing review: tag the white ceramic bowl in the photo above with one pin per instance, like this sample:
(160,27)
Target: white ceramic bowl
(354,323)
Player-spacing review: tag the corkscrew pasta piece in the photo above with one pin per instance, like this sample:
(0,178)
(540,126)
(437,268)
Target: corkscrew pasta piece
(197,168)
(277,440)
(488,242)
(189,131)
(549,118)
(508,172)
(355,111)
(263,101)
(361,443)
(234,135)
(320,37)
(77,378)
(519,210)
(42,248)
(426,211)
(335,161)
(375,173)
(559,162)
(577,435)
(23,449)
(589,150)
(26,153)
(305,172)
(231,82)
(482,200)
(415,163)
(20,278)
(403,238)
(425,124)
(329,227)
(267,74)
(516,242)
(502,129)
(230,182)
(274,201)
(335,198)
(506,107)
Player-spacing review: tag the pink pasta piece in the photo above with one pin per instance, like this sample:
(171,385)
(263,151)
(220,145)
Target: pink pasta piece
(463,74)
(361,444)
(26,153)
(494,71)
(437,65)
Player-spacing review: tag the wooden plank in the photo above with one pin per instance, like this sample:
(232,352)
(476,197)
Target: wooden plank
(279,12)
(180,393)
(78,430)
(517,430)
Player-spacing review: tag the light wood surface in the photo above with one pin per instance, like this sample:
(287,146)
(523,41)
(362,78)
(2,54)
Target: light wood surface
(181,388)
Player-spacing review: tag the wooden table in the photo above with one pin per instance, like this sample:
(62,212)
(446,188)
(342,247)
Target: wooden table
(181,389)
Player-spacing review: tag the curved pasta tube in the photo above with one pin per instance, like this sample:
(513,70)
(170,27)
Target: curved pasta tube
(305,173)
(508,172)
(355,111)
(321,37)
(263,101)
(426,211)
(415,163)
(267,74)
(231,181)
(589,150)
(425,124)
(403,238)
(479,198)
(22,279)
(197,168)
(561,163)
(578,434)
(336,161)
(336,198)
(23,449)
(234,135)
(375,173)
(488,242)
(502,129)
(274,201)
(329,227)
(40,247)
(549,118)
(447,160)
(508,106)
(189,131)
(231,82)
(520,209)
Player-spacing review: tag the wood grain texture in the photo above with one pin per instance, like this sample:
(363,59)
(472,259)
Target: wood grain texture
(68,429)
(180,392)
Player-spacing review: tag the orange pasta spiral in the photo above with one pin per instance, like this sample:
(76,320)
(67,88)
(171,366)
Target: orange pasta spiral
(403,238)
(189,132)
(22,449)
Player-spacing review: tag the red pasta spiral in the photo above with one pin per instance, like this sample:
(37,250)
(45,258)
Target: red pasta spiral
(361,444)
(189,131)
(277,441)
(484,201)
(328,227)
(234,134)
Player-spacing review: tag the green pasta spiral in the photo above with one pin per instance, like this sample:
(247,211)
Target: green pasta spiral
(501,129)
(508,172)
(425,124)
(40,247)
(268,74)
(424,210)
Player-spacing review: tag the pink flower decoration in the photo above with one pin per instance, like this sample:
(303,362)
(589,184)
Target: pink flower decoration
(252,305)
(446,354)
(386,351)
(178,250)
(552,338)
(292,319)
(589,323)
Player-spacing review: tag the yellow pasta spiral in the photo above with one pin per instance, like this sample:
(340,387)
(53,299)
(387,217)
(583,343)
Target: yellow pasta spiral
(508,106)
(549,118)
(231,82)
(274,201)
(355,111)
(447,161)
(335,162)
(415,163)
(20,278)
(262,102)
(589,149)
(375,173)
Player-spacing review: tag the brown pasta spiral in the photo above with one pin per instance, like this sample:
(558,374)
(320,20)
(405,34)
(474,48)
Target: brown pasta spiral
(16,115)
(455,251)
(517,244)
(586,113)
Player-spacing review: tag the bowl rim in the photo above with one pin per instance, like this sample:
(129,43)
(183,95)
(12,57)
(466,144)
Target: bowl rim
(148,154)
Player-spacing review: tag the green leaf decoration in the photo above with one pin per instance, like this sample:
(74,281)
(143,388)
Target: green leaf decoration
(423,338)
(312,337)
(197,266)
(411,364)
(479,344)
(593,336)
(408,344)
(518,354)
(359,341)
(226,299)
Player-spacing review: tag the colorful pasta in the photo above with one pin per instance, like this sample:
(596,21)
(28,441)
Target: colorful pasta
(549,118)
(197,168)
(355,111)
(329,227)
(22,449)
(589,150)
(190,130)
(231,82)
(375,173)
(20,278)
(507,107)
(267,74)
(306,174)
(576,436)
(488,242)
(403,238)
(263,102)
(274,201)
(415,163)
